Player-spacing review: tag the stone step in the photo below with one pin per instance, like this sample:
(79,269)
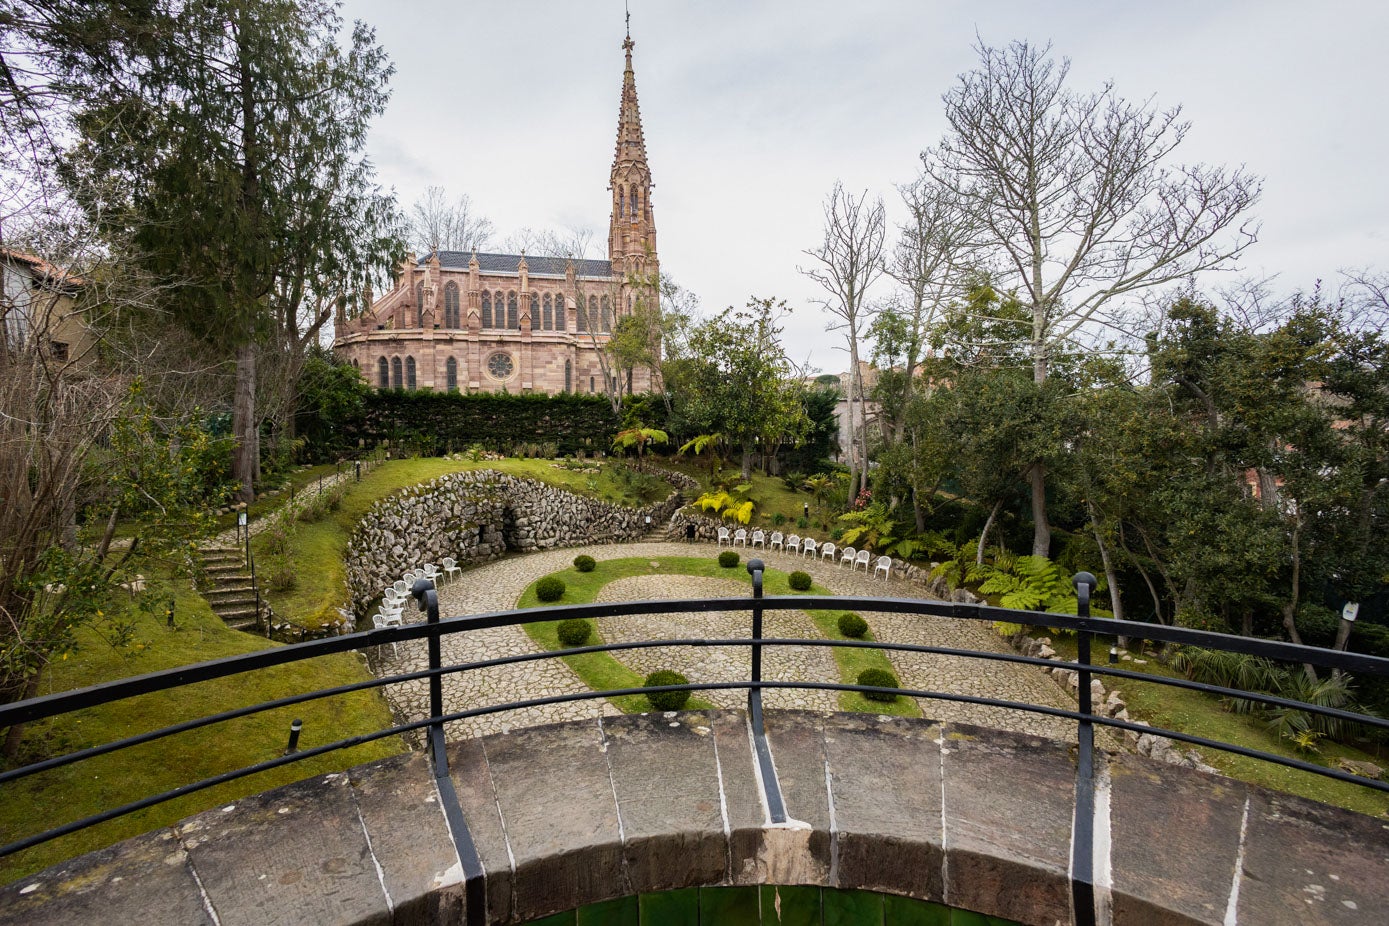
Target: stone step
(224,592)
(233,615)
(233,606)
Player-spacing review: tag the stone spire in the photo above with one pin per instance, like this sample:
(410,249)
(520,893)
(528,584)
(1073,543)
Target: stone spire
(632,234)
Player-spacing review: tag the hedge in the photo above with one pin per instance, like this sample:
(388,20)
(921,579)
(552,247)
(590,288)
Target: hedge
(433,423)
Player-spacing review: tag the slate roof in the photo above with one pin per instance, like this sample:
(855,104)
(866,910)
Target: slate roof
(506,264)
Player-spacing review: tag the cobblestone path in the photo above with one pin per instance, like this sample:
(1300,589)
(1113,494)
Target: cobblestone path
(497,586)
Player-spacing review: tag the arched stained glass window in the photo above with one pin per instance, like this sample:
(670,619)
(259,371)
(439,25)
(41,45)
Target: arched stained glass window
(580,315)
(547,321)
(487,310)
(621,202)
(568,376)
(409,372)
(560,323)
(607,316)
(383,373)
(535,311)
(511,318)
(397,378)
(451,313)
(451,374)
(419,306)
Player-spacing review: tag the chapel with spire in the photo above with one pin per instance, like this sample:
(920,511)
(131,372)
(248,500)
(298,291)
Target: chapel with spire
(520,323)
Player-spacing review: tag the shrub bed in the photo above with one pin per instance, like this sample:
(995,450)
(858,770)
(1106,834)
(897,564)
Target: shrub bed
(574,632)
(851,625)
(667,700)
(549,588)
(878,678)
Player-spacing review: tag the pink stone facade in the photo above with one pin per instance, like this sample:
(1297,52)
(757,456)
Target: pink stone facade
(473,322)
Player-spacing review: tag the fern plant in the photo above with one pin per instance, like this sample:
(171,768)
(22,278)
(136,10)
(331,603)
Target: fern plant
(731,505)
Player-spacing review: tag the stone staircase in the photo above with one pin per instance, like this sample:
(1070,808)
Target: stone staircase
(227,586)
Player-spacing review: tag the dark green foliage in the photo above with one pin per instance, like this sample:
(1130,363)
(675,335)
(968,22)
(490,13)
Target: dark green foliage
(851,625)
(800,581)
(666,700)
(878,678)
(728,559)
(585,563)
(575,631)
(550,588)
(330,393)
(433,423)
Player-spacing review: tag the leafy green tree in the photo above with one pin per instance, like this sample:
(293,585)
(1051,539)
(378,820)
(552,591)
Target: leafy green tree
(231,156)
(737,380)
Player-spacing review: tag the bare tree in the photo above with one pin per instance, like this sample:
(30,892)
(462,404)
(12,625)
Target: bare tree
(1072,193)
(849,259)
(436,224)
(572,243)
(932,259)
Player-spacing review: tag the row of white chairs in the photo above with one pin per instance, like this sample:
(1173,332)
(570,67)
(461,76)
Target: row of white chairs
(397,595)
(806,546)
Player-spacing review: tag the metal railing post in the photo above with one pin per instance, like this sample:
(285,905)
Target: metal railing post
(474,885)
(776,805)
(428,599)
(1083,825)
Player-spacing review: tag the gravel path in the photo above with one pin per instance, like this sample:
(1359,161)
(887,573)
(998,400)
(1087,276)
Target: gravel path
(497,586)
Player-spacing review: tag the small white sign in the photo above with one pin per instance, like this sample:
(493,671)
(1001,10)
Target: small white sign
(1350,611)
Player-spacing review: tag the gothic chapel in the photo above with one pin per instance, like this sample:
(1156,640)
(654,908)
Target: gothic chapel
(473,322)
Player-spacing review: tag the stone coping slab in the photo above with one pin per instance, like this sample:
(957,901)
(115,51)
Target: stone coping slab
(580,813)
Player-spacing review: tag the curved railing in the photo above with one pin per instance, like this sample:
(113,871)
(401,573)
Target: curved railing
(1085,627)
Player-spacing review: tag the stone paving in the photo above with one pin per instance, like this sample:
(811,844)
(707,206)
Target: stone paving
(497,586)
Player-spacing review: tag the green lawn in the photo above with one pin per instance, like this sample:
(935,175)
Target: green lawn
(604,671)
(50,798)
(1203,715)
(320,547)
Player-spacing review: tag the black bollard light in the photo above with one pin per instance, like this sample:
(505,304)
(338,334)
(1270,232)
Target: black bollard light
(1113,655)
(294,729)
(171,614)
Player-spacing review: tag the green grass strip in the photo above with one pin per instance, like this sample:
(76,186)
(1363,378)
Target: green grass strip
(603,670)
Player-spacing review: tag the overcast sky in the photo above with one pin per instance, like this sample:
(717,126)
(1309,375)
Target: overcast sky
(752,110)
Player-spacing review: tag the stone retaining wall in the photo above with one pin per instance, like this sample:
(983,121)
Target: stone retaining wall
(478,515)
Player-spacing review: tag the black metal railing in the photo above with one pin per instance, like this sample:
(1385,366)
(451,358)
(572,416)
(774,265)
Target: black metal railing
(433,629)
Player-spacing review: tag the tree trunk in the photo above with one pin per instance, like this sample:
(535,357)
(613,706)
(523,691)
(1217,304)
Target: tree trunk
(747,463)
(1116,603)
(984,534)
(246,455)
(1041,527)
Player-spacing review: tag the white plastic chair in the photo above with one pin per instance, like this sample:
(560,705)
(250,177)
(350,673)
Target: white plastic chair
(827,551)
(847,557)
(808,547)
(740,536)
(450,567)
(884,566)
(793,543)
(725,534)
(863,557)
(402,588)
(778,541)
(758,537)
(431,573)
(379,622)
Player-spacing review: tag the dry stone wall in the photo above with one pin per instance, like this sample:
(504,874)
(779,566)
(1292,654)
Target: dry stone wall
(478,515)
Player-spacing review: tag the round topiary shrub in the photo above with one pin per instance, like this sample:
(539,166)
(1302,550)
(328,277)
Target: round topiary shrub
(728,559)
(585,563)
(878,678)
(667,700)
(800,581)
(851,625)
(549,588)
(575,631)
